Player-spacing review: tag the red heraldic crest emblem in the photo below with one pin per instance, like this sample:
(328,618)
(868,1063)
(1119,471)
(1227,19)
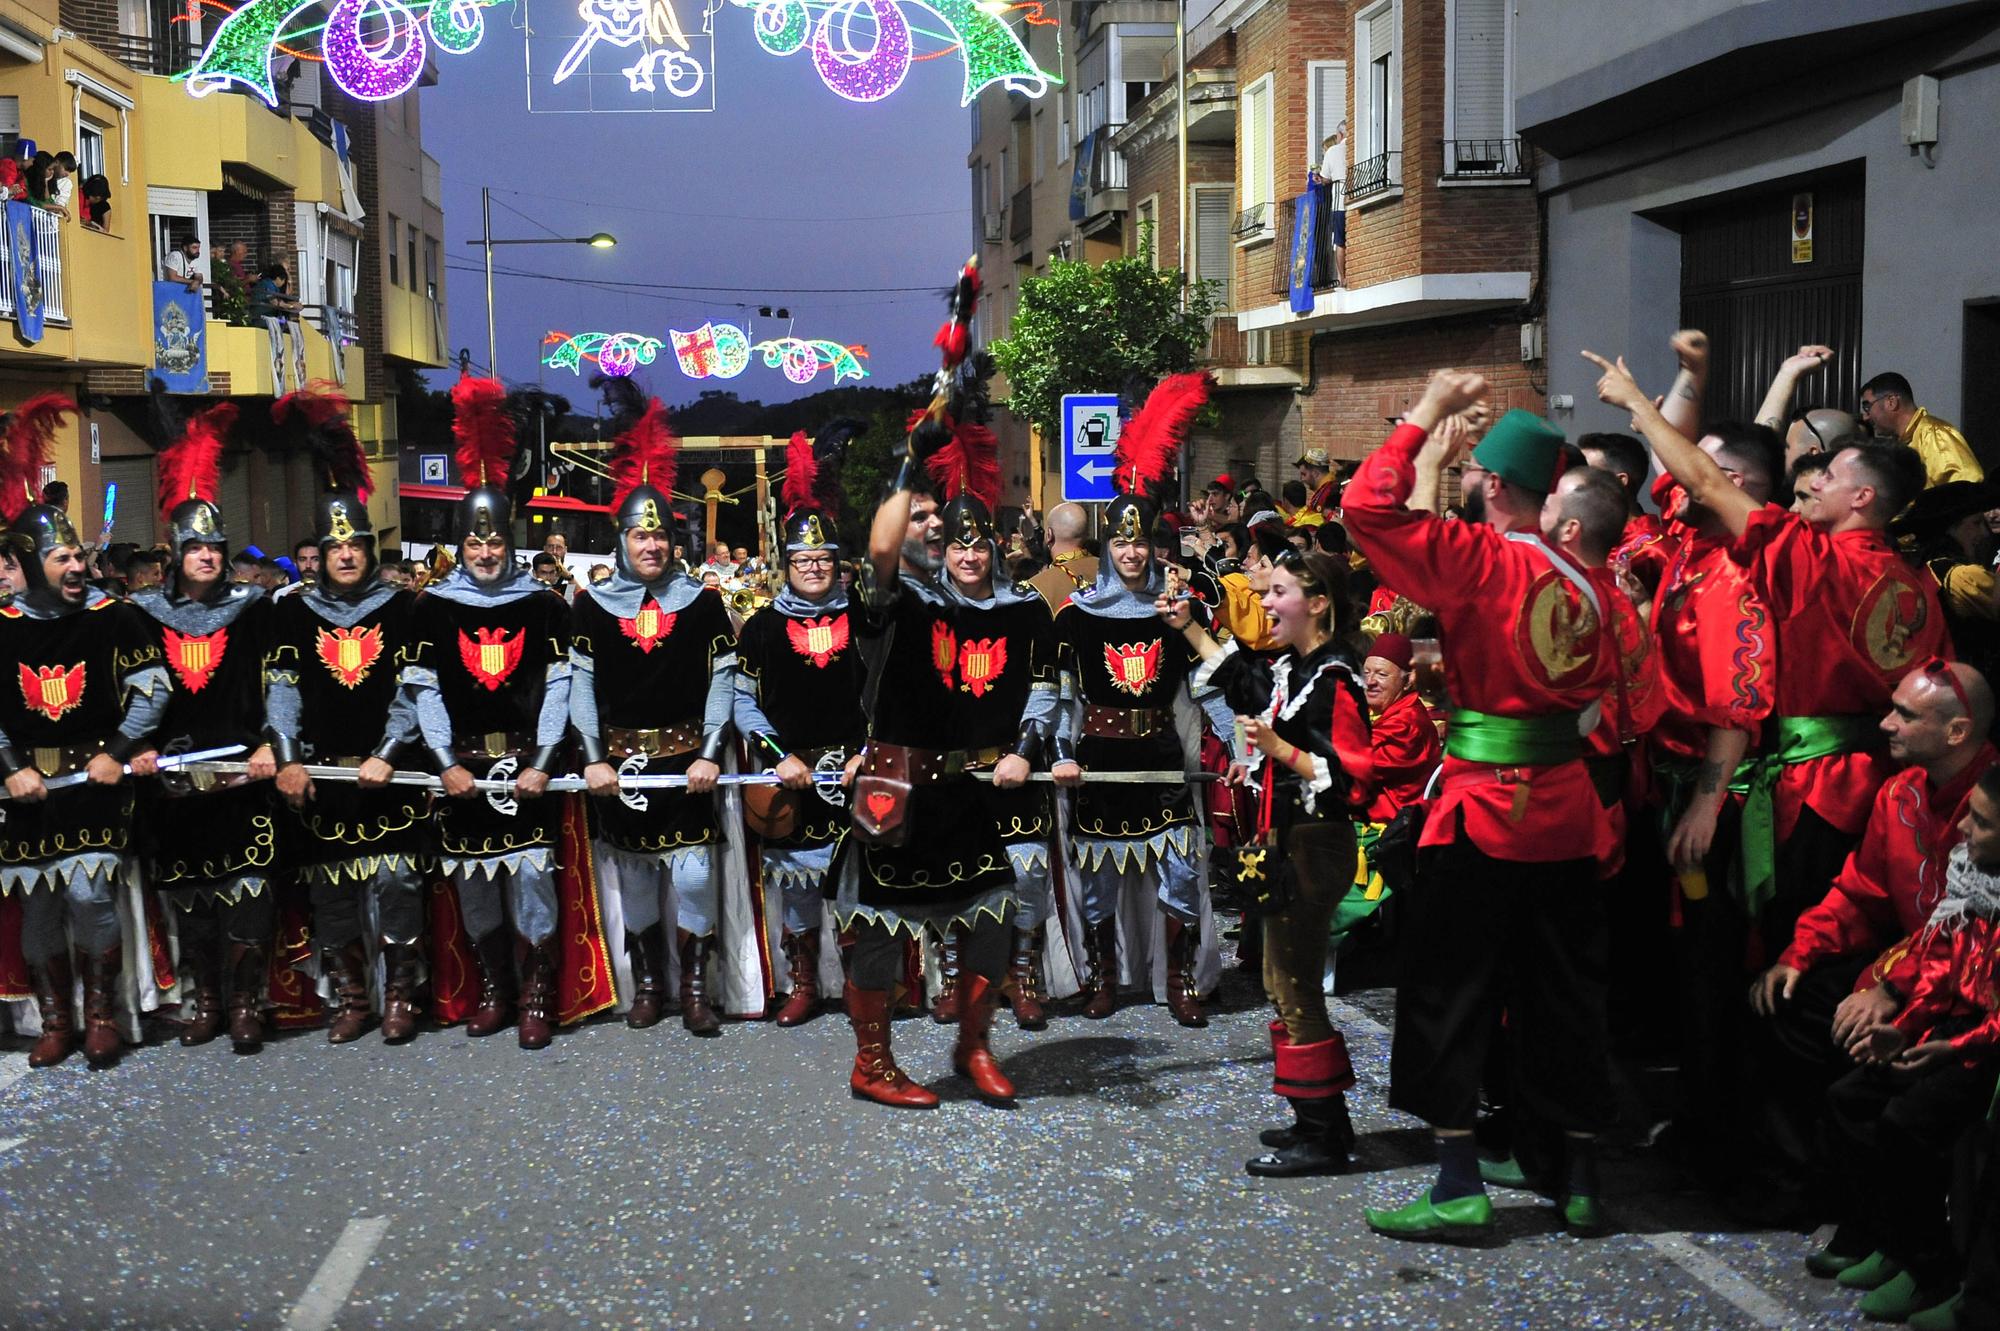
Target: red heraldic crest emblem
(194,656)
(980,663)
(944,651)
(649,627)
(52,690)
(350,653)
(493,657)
(819,640)
(1133,666)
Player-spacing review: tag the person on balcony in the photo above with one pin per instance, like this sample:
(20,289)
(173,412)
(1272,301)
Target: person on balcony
(272,304)
(97,203)
(181,264)
(1332,173)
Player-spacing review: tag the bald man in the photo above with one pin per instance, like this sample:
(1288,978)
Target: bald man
(1071,566)
(1846,963)
(1824,430)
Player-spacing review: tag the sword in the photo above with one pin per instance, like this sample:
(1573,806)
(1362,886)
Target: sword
(1159,778)
(178,762)
(557,784)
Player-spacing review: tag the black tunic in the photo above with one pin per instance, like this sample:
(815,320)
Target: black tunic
(1001,651)
(650,672)
(196,831)
(806,673)
(346,682)
(954,850)
(70,675)
(1128,664)
(1316,705)
(492,664)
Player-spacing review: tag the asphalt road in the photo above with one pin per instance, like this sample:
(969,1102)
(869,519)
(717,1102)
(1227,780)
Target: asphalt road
(647,1179)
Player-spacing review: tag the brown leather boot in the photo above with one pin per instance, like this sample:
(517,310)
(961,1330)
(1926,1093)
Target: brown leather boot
(971,1057)
(496,984)
(198,965)
(1024,980)
(802,950)
(944,1011)
(249,978)
(876,1076)
(1100,986)
(399,992)
(102,1044)
(538,995)
(55,995)
(347,968)
(696,1015)
(1183,997)
(647,951)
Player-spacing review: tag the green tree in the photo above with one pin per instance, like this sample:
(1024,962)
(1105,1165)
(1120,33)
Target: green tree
(1085,329)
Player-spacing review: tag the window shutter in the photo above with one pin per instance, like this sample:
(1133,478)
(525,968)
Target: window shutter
(1214,214)
(1382,32)
(1329,85)
(1479,69)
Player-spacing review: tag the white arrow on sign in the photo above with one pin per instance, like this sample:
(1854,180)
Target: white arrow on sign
(1096,471)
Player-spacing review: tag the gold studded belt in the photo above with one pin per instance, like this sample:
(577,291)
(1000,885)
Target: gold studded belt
(665,742)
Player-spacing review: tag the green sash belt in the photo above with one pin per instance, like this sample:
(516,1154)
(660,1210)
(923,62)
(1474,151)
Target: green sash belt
(1799,739)
(1513,741)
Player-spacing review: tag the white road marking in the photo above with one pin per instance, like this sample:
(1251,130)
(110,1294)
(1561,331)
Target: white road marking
(9,1143)
(13,1067)
(1723,1279)
(334,1280)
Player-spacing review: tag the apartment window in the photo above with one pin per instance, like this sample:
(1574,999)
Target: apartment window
(412,237)
(1146,229)
(1255,171)
(1479,98)
(1376,31)
(89,151)
(1040,136)
(975,120)
(1062,125)
(431,267)
(1024,150)
(10,124)
(1326,106)
(395,246)
(1214,211)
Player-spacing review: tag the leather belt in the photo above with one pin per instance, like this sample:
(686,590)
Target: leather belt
(979,760)
(63,759)
(1125,722)
(493,744)
(665,742)
(902,762)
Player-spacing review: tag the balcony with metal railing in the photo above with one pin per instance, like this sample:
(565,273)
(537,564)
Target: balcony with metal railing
(1252,221)
(165,55)
(1021,213)
(1320,257)
(48,270)
(1484,159)
(1373,176)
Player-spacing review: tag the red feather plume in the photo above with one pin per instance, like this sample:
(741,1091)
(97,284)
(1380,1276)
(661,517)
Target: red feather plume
(801,475)
(191,466)
(28,447)
(954,337)
(1150,444)
(969,464)
(320,411)
(646,454)
(485,432)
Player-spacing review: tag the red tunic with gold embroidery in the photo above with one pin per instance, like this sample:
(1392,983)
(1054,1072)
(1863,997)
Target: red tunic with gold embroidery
(1852,618)
(1718,651)
(1407,751)
(1892,880)
(1519,640)
(1646,550)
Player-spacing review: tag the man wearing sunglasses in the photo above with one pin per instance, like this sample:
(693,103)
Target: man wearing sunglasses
(1889,409)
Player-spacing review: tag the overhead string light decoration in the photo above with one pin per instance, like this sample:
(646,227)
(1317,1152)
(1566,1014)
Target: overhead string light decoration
(615,354)
(712,351)
(373,49)
(863,49)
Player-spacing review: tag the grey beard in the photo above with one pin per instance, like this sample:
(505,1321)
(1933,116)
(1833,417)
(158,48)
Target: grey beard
(917,555)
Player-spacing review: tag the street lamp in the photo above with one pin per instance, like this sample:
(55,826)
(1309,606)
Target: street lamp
(602,240)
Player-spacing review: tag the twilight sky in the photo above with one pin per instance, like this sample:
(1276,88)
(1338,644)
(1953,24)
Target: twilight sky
(784,185)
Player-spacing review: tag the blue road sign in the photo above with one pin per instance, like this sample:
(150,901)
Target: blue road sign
(1090,427)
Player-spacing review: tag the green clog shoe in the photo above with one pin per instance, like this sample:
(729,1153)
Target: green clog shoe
(1505,1172)
(1900,1299)
(1460,1220)
(1871,1272)
(1585,1217)
(1944,1317)
(1826,1263)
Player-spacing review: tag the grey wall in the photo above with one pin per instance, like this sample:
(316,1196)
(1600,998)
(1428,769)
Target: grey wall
(1933,238)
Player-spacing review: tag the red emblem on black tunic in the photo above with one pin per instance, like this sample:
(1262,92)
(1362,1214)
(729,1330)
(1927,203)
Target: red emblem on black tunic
(52,690)
(493,656)
(980,663)
(818,640)
(194,656)
(944,651)
(649,627)
(1133,666)
(350,653)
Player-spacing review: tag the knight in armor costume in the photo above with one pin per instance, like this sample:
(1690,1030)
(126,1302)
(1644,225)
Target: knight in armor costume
(653,662)
(1125,676)
(798,706)
(1001,645)
(332,699)
(89,694)
(212,842)
(492,698)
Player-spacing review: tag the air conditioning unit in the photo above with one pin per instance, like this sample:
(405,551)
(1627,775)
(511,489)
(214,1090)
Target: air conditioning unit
(994,232)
